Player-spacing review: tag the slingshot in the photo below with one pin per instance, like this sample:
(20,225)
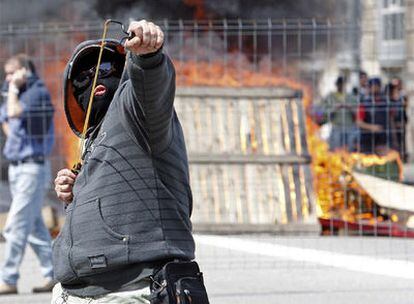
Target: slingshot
(76,168)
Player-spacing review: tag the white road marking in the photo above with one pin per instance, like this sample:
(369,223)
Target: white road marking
(366,264)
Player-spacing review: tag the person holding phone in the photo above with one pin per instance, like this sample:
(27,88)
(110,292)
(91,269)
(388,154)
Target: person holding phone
(26,115)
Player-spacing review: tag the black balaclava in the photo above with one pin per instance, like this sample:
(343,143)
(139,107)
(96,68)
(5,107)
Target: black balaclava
(100,104)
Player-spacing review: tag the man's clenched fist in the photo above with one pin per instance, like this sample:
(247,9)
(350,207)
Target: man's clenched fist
(63,185)
(148,37)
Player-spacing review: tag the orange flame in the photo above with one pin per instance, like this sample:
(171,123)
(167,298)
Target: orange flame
(337,194)
(66,141)
(332,177)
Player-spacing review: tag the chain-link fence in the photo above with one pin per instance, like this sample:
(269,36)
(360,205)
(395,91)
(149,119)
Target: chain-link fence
(284,134)
(249,148)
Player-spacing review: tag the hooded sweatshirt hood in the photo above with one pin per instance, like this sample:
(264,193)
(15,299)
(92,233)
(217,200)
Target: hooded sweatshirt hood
(85,56)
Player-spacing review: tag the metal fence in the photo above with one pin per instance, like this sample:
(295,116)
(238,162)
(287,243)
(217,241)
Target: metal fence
(250,101)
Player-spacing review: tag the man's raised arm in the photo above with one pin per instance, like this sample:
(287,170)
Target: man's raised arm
(152,77)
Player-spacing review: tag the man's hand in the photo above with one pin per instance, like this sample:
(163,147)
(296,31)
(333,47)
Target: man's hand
(5,127)
(16,81)
(376,128)
(148,37)
(63,185)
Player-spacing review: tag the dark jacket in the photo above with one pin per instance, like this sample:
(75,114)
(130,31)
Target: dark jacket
(31,134)
(376,111)
(132,199)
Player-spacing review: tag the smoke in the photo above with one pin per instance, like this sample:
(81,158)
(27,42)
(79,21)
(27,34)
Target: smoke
(272,9)
(213,9)
(208,44)
(14,12)
(201,44)
(31,12)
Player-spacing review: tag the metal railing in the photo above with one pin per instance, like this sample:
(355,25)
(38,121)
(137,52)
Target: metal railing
(279,55)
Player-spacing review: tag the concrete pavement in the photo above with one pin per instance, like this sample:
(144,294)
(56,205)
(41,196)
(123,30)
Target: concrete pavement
(238,275)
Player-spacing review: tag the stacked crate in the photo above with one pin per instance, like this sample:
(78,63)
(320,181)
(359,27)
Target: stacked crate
(249,162)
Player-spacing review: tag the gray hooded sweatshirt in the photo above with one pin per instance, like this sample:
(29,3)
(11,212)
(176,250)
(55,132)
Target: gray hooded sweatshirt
(132,200)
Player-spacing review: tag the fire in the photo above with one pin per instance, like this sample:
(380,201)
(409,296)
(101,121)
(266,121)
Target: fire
(192,73)
(66,142)
(337,194)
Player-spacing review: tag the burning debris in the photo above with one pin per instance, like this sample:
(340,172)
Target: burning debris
(343,201)
(237,54)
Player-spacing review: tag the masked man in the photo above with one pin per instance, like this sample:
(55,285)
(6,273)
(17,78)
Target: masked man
(128,208)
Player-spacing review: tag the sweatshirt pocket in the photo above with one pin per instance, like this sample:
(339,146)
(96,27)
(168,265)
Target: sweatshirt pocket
(62,268)
(96,247)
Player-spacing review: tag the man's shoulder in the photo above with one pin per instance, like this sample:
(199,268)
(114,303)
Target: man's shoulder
(39,84)
(38,89)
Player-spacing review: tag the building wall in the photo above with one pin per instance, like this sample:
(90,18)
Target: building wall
(369,37)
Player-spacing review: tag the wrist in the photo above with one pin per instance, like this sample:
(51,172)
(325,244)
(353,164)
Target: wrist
(13,89)
(147,61)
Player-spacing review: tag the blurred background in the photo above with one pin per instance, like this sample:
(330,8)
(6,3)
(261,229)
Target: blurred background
(295,199)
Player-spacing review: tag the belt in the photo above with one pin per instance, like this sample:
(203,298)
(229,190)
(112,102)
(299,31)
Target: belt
(32,159)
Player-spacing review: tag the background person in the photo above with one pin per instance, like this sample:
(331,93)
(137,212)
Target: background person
(362,90)
(398,118)
(340,109)
(374,120)
(27,121)
(401,116)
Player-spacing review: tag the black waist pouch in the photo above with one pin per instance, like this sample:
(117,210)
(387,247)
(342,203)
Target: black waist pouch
(178,282)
